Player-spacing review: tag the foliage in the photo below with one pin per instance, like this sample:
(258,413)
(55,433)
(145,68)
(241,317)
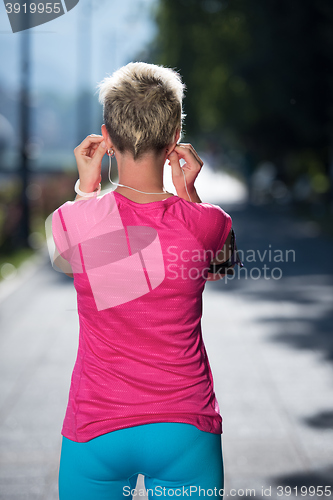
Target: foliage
(259,72)
(46,192)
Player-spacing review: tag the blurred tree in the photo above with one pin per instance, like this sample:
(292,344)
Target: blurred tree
(261,71)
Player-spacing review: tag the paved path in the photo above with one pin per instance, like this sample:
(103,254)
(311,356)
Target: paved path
(272,355)
(270,344)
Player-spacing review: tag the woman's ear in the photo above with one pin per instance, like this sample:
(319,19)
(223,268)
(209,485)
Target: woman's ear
(174,143)
(106,136)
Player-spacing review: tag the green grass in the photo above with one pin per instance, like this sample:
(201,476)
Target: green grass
(16,258)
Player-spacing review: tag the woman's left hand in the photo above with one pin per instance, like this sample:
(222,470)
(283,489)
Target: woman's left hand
(89,155)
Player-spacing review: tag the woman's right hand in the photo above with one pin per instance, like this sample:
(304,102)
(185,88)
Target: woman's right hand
(183,177)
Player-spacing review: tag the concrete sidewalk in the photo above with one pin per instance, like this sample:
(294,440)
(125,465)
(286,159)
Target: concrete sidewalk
(270,345)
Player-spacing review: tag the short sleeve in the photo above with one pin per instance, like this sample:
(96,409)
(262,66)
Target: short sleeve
(59,233)
(77,230)
(217,227)
(69,224)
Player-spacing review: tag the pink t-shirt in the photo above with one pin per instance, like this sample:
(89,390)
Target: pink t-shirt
(139,272)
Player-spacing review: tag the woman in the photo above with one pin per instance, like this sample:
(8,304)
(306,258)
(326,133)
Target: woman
(141,397)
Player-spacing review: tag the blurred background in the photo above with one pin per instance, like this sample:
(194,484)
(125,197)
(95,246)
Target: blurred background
(258,103)
(259,106)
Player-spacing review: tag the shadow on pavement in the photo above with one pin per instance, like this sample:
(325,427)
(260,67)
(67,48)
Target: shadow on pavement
(322,420)
(311,482)
(306,282)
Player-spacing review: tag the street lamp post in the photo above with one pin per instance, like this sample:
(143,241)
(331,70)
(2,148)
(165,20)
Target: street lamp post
(84,38)
(24,229)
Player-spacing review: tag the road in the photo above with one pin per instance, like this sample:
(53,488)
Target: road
(268,333)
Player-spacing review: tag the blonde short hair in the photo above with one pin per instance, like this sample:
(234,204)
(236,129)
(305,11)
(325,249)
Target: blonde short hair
(142,107)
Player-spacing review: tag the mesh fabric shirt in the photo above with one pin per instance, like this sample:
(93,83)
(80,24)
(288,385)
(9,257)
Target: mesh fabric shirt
(139,273)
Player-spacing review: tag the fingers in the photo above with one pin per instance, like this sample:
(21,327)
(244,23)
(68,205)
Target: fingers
(187,151)
(99,152)
(90,141)
(175,165)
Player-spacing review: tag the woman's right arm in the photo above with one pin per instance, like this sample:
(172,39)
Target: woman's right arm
(222,257)
(183,178)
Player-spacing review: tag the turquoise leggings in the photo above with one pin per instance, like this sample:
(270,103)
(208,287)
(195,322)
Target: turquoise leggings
(177,460)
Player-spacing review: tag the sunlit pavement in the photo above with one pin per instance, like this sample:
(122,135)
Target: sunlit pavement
(268,336)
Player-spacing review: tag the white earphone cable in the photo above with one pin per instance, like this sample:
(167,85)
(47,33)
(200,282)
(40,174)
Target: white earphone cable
(137,190)
(129,187)
(188,194)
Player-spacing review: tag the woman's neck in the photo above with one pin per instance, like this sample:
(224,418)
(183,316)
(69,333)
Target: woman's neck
(144,174)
